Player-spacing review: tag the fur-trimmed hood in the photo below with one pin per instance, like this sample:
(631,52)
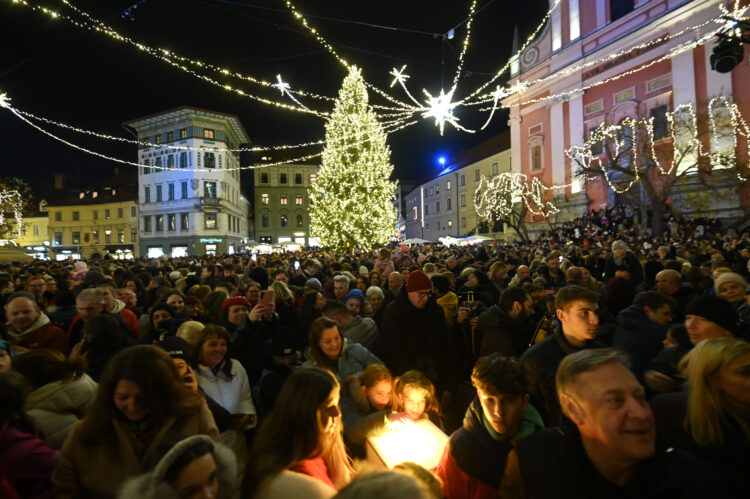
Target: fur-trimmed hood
(153,486)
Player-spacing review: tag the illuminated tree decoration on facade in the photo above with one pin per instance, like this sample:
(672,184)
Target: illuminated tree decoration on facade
(351,203)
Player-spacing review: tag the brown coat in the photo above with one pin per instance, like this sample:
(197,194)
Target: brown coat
(98,471)
(47,336)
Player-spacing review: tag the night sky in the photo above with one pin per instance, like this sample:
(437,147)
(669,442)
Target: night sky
(56,70)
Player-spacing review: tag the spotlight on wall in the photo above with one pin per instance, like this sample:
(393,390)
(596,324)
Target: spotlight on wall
(728,52)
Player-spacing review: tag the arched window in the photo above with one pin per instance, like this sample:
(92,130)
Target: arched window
(266,221)
(299,220)
(284,220)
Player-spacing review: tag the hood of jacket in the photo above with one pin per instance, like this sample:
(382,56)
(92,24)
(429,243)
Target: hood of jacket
(153,485)
(117,307)
(40,321)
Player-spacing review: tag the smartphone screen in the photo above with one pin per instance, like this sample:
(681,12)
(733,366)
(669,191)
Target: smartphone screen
(296,265)
(255,257)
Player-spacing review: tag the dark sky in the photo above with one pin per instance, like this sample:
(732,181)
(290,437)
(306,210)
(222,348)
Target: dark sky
(56,70)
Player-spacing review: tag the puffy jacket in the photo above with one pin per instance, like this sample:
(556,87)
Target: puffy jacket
(353,360)
(55,407)
(471,464)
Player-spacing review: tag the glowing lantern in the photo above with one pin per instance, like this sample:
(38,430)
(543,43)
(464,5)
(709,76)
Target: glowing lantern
(419,442)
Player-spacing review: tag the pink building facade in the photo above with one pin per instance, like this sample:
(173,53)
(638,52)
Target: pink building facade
(584,31)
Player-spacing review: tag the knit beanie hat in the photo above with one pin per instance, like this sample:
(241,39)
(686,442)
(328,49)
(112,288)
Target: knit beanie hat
(177,348)
(236,300)
(714,309)
(314,283)
(418,281)
(726,277)
(354,294)
(363,271)
(619,244)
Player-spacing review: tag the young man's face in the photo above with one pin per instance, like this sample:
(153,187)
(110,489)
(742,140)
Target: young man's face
(579,320)
(503,411)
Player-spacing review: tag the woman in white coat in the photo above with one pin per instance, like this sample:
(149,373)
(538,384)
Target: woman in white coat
(225,380)
(61,392)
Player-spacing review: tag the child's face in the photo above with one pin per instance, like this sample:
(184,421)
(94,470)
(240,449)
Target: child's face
(414,400)
(379,395)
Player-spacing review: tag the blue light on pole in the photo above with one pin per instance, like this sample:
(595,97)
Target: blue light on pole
(441,160)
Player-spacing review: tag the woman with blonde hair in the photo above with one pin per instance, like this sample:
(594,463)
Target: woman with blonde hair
(712,419)
(284,303)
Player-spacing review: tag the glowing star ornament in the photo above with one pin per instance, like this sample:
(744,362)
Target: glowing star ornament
(4,100)
(399,76)
(281,86)
(440,108)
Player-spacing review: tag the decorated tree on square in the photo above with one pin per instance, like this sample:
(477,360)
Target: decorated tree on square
(351,201)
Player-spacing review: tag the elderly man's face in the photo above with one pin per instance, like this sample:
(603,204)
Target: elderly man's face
(395,280)
(109,298)
(619,252)
(667,282)
(88,309)
(21,313)
(340,289)
(610,409)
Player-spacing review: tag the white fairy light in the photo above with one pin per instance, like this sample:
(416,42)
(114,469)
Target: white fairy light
(440,108)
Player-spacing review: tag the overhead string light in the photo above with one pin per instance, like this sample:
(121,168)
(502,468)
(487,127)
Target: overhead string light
(465,46)
(388,128)
(173,59)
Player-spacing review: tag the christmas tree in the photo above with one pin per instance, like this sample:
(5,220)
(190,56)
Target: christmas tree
(351,201)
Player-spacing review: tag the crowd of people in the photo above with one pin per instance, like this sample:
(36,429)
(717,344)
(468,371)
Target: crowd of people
(595,362)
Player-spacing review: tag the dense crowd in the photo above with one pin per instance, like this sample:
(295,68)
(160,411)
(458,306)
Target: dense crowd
(595,362)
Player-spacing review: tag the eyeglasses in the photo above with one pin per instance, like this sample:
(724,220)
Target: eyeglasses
(424,294)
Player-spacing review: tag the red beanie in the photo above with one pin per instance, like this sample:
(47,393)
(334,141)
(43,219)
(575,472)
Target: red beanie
(236,300)
(418,281)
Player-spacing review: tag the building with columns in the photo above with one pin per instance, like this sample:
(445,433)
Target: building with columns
(562,104)
(190,197)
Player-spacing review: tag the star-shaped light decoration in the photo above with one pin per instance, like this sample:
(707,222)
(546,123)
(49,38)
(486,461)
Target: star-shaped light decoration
(731,18)
(440,108)
(4,100)
(399,76)
(282,86)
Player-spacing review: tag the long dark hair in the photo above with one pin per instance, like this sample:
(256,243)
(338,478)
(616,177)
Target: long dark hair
(316,331)
(209,332)
(293,430)
(163,390)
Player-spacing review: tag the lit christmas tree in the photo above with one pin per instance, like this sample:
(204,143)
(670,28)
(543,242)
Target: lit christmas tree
(351,201)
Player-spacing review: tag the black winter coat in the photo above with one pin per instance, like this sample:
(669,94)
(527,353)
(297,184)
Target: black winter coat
(540,363)
(503,334)
(554,465)
(639,337)
(415,338)
(631,262)
(731,461)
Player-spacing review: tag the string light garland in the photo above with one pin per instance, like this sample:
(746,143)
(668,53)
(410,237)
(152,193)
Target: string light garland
(351,199)
(388,127)
(495,197)
(465,46)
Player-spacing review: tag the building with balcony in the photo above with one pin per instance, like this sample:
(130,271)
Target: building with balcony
(282,203)
(190,196)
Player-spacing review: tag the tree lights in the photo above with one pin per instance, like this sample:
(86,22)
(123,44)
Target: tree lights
(351,200)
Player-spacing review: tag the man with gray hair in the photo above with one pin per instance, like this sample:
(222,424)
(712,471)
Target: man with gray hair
(29,328)
(610,449)
(341,286)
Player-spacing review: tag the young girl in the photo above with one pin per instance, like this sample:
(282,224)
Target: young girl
(415,397)
(365,404)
